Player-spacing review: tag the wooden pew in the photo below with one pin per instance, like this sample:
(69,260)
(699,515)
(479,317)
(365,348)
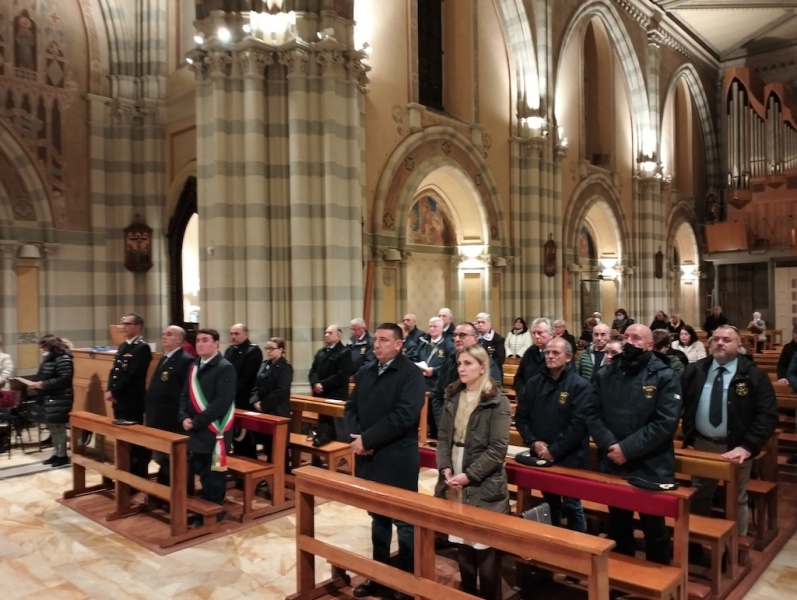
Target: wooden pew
(626,574)
(721,535)
(121,481)
(579,554)
(252,471)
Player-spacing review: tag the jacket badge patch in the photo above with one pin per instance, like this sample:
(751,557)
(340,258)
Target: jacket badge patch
(563,396)
(742,389)
(649,390)
(363,349)
(440,353)
(165,376)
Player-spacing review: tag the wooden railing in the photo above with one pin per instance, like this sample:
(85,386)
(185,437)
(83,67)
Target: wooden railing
(552,547)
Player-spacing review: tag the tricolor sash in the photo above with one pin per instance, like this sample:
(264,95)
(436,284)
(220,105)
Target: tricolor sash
(219,460)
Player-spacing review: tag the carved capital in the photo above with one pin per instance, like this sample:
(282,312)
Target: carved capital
(254,62)
(218,62)
(328,60)
(296,60)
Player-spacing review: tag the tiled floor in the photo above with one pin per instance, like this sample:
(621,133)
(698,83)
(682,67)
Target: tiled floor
(47,548)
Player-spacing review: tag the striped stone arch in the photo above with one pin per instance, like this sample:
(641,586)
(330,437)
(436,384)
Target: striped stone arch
(416,157)
(698,93)
(118,20)
(23,183)
(679,214)
(644,133)
(595,188)
(520,47)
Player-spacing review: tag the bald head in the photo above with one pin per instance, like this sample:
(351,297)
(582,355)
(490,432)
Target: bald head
(172,338)
(238,334)
(640,336)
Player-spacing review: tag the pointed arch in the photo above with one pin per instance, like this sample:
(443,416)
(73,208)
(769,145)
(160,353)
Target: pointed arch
(645,137)
(682,213)
(520,46)
(414,159)
(23,180)
(592,190)
(700,101)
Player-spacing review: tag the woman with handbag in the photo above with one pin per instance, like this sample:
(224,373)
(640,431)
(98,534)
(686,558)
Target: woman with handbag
(55,393)
(471,446)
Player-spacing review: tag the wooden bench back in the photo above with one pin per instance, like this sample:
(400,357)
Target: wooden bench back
(546,545)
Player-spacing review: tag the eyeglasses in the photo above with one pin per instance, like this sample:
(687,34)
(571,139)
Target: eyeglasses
(128,323)
(270,348)
(463,335)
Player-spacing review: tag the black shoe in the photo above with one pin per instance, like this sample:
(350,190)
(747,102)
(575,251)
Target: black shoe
(792,460)
(60,461)
(367,588)
(50,460)
(195,521)
(48,443)
(85,438)
(401,596)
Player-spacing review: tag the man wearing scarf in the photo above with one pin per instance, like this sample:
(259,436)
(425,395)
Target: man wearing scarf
(207,407)
(632,416)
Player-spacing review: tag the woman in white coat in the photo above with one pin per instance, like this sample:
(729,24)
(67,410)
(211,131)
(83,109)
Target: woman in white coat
(688,343)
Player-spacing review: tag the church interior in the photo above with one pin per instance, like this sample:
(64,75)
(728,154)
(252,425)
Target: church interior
(290,164)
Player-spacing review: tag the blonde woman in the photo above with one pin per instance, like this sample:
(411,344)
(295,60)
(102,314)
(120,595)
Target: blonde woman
(471,446)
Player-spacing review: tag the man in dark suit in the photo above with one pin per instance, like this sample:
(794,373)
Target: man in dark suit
(205,412)
(246,358)
(382,417)
(127,383)
(491,340)
(533,360)
(165,387)
(361,345)
(329,375)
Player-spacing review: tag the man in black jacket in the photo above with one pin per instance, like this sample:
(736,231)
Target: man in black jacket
(491,340)
(245,357)
(716,319)
(786,354)
(550,418)
(329,376)
(205,412)
(632,416)
(165,387)
(127,383)
(382,417)
(729,408)
(533,360)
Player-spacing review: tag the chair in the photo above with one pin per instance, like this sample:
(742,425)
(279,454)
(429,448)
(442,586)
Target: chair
(9,400)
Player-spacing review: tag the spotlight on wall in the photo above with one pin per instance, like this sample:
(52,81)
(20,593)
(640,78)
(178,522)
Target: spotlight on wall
(223,34)
(199,39)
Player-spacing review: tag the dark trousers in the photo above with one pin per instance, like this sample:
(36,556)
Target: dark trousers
(382,533)
(484,564)
(657,539)
(246,446)
(214,483)
(569,508)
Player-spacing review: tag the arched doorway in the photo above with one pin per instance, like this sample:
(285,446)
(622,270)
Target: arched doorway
(183,244)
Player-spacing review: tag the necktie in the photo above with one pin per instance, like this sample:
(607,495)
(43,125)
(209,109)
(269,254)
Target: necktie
(715,406)
(382,368)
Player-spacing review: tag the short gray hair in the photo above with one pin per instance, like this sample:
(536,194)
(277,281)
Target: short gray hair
(545,321)
(561,322)
(485,316)
(565,344)
(358,322)
(437,320)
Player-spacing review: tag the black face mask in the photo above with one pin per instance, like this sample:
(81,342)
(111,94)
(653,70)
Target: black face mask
(631,353)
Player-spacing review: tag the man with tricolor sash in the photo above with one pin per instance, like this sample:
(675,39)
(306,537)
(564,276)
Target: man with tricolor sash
(207,408)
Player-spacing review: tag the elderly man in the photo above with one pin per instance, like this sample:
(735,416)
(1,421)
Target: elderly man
(632,415)
(592,358)
(245,357)
(127,384)
(465,335)
(533,360)
(382,418)
(413,333)
(729,408)
(490,340)
(361,345)
(550,418)
(165,387)
(560,330)
(448,322)
(329,375)
(434,350)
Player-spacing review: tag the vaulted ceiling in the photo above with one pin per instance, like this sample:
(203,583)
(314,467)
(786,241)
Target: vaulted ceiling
(760,34)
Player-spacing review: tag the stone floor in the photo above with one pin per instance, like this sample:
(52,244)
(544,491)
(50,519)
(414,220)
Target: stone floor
(47,548)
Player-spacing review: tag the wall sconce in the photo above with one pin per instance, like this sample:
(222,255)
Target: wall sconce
(609,272)
(472,250)
(608,261)
(688,271)
(30,251)
(658,264)
(499,262)
(392,255)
